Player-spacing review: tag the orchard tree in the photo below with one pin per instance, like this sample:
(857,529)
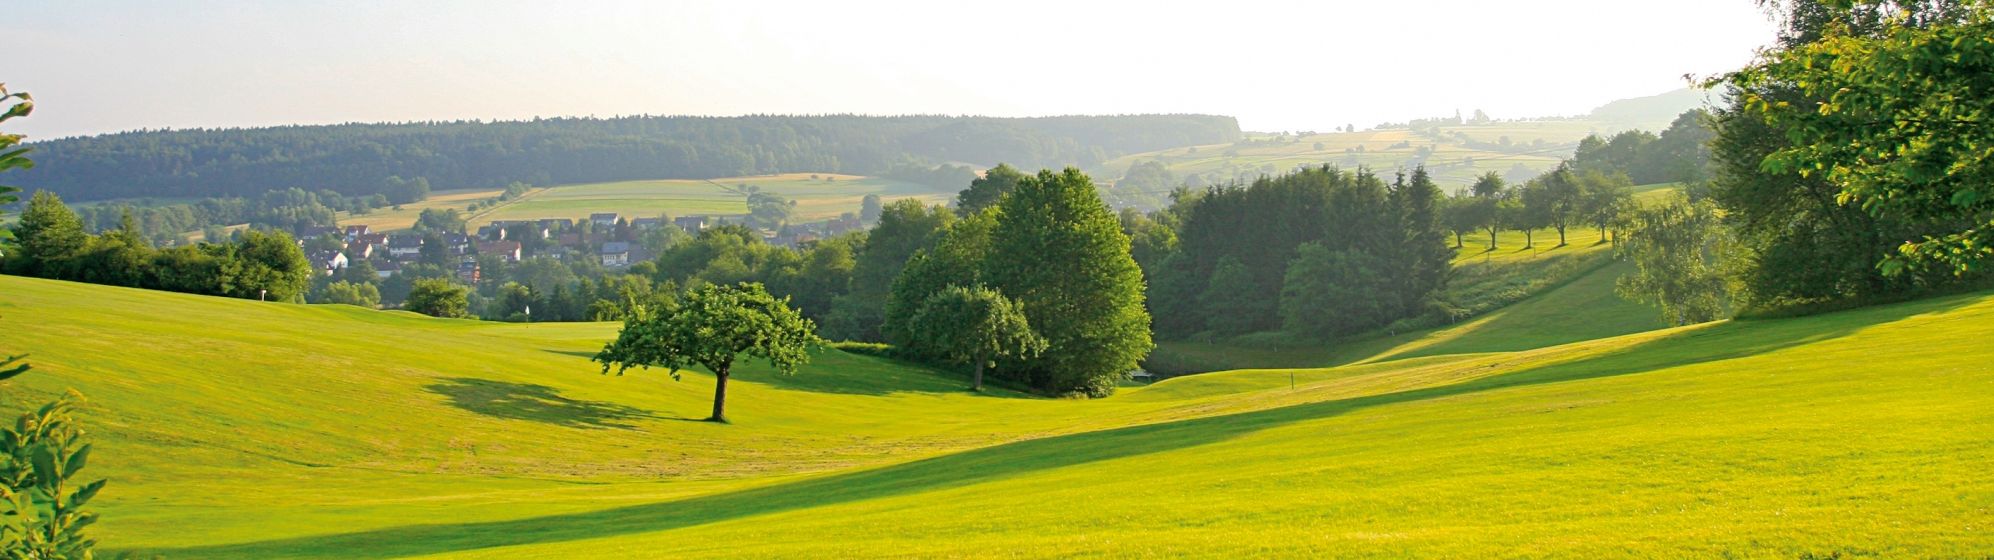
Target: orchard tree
(1529,208)
(1489,191)
(1562,199)
(1603,198)
(711,327)
(976,325)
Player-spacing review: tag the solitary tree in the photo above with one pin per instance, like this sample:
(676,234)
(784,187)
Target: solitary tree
(1604,198)
(976,325)
(711,327)
(1532,207)
(1489,191)
(1563,199)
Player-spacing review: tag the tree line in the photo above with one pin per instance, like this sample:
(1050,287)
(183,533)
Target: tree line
(290,210)
(1322,253)
(357,160)
(50,242)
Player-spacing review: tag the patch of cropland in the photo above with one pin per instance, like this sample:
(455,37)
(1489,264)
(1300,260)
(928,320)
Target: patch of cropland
(817,196)
(233,429)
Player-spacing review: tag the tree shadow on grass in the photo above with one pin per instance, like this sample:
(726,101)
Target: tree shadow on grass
(837,372)
(536,403)
(1708,344)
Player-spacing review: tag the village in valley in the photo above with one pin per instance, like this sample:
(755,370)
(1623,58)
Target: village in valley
(612,240)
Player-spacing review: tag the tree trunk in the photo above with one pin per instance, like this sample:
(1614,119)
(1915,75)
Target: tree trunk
(1529,240)
(1492,239)
(977,385)
(719,394)
(1561,235)
(1457,240)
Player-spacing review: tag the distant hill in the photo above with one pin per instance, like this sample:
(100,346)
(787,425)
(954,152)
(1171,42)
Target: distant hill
(1652,113)
(355,159)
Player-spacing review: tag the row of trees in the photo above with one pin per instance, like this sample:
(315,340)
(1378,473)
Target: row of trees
(289,210)
(360,159)
(1559,199)
(51,243)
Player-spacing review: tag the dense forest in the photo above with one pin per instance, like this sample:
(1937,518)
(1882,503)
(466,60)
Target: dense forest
(1321,253)
(356,160)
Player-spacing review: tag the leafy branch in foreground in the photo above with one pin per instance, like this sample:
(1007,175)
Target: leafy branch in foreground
(1897,116)
(43,517)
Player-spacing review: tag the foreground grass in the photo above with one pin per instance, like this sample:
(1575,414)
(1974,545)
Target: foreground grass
(237,430)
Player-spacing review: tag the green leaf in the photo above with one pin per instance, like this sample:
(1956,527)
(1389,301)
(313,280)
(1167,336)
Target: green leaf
(45,468)
(77,460)
(84,494)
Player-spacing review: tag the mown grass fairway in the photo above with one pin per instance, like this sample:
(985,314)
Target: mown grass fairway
(233,429)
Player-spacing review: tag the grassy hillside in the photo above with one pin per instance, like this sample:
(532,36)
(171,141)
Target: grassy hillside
(233,429)
(1522,297)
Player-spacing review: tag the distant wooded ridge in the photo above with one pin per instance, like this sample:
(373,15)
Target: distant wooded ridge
(359,159)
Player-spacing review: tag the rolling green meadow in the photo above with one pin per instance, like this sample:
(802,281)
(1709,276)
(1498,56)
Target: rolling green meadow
(1563,425)
(1751,318)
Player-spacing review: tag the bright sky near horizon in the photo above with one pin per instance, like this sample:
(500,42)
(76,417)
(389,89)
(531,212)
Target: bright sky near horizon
(97,66)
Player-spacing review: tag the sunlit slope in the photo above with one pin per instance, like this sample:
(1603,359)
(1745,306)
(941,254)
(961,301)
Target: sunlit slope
(1575,301)
(224,420)
(1861,434)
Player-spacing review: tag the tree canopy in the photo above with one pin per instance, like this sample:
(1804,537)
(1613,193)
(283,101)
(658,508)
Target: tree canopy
(976,325)
(712,326)
(1060,252)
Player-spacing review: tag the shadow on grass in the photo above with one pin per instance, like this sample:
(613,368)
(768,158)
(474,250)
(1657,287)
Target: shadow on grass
(588,355)
(1713,343)
(536,403)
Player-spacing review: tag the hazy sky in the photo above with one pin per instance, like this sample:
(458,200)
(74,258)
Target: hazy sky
(105,66)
